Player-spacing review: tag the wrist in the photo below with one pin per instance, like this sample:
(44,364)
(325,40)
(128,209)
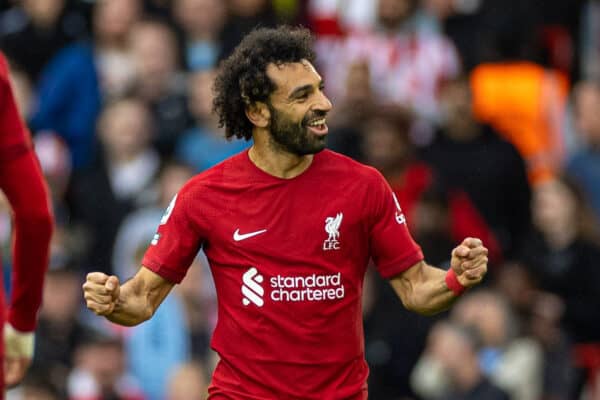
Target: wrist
(18,344)
(453,284)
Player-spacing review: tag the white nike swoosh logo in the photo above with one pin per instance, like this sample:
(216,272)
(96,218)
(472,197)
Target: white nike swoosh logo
(237,236)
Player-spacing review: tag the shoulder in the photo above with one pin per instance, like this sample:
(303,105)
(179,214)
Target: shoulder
(3,68)
(340,164)
(216,175)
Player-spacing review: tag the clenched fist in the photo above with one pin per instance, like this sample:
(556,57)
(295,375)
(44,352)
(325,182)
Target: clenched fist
(101,292)
(469,262)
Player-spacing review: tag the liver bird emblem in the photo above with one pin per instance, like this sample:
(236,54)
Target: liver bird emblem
(332,226)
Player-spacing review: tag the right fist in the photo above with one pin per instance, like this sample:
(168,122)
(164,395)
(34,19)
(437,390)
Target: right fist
(101,292)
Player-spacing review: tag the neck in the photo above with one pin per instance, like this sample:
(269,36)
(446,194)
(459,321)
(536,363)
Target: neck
(275,161)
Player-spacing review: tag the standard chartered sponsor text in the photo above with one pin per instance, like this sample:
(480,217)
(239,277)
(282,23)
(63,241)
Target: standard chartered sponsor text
(307,288)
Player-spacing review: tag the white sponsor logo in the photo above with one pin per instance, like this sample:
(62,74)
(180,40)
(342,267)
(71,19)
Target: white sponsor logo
(237,236)
(400,218)
(251,288)
(313,287)
(307,288)
(332,227)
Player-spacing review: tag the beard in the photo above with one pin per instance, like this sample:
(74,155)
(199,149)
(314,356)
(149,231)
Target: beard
(295,137)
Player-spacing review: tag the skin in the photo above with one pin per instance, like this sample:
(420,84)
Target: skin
(284,147)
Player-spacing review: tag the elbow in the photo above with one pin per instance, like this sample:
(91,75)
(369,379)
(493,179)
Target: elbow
(35,222)
(420,307)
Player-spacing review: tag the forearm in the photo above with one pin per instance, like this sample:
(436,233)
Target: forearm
(133,306)
(426,291)
(22,182)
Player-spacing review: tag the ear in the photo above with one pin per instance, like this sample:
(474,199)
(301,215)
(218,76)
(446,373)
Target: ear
(258,113)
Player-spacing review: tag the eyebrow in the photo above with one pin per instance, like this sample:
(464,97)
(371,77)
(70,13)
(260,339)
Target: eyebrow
(305,88)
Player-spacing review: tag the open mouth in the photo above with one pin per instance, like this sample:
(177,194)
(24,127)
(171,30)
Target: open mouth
(318,126)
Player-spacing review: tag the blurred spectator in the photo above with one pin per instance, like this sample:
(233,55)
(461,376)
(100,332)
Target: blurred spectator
(75,81)
(156,348)
(205,145)
(406,63)
(590,40)
(510,362)
(432,226)
(243,16)
(188,382)
(197,292)
(391,350)
(99,372)
(522,100)
(452,354)
(386,146)
(139,226)
(37,385)
(36,30)
(354,107)
(60,330)
(159,82)
(202,22)
(562,258)
(471,158)
(113,20)
(583,165)
(121,178)
(55,160)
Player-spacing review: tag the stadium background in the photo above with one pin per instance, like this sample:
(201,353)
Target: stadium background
(484,115)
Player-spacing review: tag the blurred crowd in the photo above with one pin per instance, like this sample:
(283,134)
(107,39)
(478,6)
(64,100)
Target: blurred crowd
(483,115)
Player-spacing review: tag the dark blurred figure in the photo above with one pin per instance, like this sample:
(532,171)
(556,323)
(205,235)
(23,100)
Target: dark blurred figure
(60,330)
(583,165)
(120,179)
(563,260)
(454,349)
(159,82)
(391,350)
(353,108)
(243,15)
(539,315)
(35,31)
(471,158)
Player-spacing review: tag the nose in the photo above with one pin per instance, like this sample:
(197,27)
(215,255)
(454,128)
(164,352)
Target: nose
(323,103)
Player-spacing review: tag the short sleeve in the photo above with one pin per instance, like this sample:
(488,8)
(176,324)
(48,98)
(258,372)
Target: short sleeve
(14,138)
(392,247)
(176,242)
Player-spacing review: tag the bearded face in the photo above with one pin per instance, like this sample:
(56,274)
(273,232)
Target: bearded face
(301,137)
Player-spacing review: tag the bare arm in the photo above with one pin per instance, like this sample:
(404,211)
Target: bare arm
(130,304)
(422,288)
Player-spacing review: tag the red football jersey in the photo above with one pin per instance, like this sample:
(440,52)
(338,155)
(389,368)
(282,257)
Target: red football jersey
(14,137)
(288,257)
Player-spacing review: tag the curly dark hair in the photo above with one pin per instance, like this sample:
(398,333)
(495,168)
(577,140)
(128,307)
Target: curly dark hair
(242,78)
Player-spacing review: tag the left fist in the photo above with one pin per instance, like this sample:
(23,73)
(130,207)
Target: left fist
(469,262)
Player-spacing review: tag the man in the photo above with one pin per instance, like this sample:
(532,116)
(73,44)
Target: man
(22,182)
(288,229)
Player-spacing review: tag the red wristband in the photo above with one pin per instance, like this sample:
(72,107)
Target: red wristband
(453,283)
